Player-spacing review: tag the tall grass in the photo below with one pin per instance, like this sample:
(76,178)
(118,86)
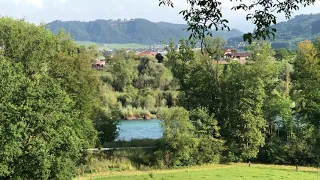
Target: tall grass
(119,160)
(130,113)
(101,162)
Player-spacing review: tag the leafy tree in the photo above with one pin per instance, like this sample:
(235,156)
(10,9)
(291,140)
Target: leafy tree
(281,54)
(149,102)
(131,96)
(278,113)
(48,94)
(207,131)
(105,122)
(178,61)
(178,137)
(214,47)
(150,73)
(171,98)
(201,87)
(306,88)
(122,54)
(197,74)
(124,73)
(260,51)
(106,116)
(306,77)
(241,116)
(203,15)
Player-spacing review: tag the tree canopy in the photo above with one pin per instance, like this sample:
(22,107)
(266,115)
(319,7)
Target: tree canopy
(48,96)
(265,109)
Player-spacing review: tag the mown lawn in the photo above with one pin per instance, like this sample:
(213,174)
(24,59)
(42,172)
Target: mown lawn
(221,172)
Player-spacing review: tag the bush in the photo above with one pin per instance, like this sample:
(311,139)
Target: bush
(98,162)
(207,130)
(154,110)
(208,151)
(107,77)
(163,103)
(106,124)
(279,152)
(149,102)
(179,140)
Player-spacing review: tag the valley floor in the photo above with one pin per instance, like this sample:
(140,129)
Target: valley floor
(221,172)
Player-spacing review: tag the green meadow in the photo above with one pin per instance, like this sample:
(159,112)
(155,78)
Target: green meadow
(113,46)
(221,172)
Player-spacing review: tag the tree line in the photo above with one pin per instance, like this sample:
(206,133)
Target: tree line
(267,110)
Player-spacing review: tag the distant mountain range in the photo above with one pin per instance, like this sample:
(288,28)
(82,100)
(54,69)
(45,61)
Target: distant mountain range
(291,32)
(139,31)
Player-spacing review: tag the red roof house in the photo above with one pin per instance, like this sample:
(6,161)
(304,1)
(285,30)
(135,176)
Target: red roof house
(147,54)
(99,64)
(239,55)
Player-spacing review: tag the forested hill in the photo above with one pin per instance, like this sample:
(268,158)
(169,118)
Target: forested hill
(289,33)
(139,31)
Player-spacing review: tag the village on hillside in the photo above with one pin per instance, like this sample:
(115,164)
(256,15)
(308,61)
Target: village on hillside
(160,51)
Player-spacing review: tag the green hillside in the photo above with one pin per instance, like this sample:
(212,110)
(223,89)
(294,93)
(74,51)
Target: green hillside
(139,31)
(290,32)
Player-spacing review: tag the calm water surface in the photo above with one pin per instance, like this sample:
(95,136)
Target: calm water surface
(140,129)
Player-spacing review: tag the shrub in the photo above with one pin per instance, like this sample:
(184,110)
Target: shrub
(149,102)
(179,139)
(107,77)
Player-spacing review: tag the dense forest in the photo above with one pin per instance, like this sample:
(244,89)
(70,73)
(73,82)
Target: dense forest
(54,106)
(290,32)
(139,31)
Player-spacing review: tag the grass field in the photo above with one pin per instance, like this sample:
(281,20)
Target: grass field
(221,172)
(113,46)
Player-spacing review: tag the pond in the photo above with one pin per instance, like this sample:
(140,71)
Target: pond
(140,129)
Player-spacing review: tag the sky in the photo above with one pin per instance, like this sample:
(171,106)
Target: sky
(37,11)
